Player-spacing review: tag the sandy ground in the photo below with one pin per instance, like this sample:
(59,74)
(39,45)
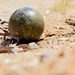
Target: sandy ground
(54,54)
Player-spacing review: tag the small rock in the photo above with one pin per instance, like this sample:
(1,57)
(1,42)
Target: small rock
(47,56)
(63,39)
(5,49)
(24,46)
(42,36)
(5,26)
(51,43)
(33,45)
(16,49)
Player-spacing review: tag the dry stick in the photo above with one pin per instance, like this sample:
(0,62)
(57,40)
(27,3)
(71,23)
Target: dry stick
(70,21)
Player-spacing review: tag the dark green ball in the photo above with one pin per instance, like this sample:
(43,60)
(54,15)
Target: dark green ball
(26,23)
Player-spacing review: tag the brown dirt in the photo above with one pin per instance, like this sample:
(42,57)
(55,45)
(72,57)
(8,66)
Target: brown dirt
(56,52)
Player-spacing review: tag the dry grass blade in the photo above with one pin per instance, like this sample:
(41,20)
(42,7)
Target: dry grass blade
(61,6)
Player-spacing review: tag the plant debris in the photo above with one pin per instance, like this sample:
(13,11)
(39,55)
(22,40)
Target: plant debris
(70,22)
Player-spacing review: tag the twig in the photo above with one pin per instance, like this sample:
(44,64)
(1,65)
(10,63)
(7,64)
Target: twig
(70,22)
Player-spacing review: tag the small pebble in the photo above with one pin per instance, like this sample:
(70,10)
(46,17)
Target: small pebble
(5,49)
(16,49)
(33,45)
(42,36)
(5,26)
(51,43)
(47,56)
(50,54)
(63,39)
(24,46)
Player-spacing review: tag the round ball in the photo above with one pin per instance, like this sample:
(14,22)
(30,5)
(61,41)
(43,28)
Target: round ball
(26,23)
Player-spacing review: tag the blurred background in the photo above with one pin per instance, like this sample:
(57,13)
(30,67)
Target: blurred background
(7,7)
